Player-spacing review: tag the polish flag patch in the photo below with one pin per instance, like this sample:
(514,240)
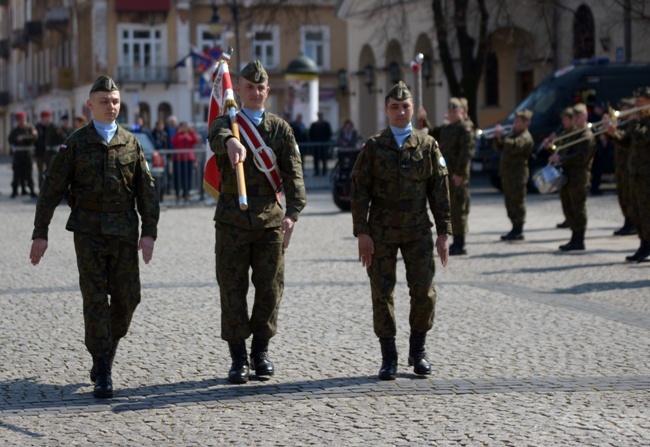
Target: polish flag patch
(62,148)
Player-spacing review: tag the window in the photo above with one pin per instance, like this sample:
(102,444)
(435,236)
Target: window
(583,33)
(209,38)
(142,57)
(492,80)
(315,44)
(266,46)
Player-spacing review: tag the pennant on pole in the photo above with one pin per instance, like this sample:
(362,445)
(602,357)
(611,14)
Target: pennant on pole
(221,99)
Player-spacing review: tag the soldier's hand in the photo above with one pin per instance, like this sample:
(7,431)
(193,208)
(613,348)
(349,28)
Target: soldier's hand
(38,250)
(366,250)
(442,245)
(146,245)
(236,151)
(287,230)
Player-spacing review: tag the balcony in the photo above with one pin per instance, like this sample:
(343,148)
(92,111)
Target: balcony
(57,19)
(5,98)
(34,30)
(145,75)
(18,39)
(5,48)
(142,5)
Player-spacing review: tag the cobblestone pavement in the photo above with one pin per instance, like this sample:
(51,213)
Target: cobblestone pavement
(530,347)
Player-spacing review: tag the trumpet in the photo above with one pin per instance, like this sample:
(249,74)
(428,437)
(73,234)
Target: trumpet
(491,132)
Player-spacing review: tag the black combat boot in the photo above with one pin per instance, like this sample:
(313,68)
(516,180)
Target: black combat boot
(417,354)
(642,254)
(14,192)
(111,357)
(458,246)
(32,194)
(104,381)
(388,370)
(260,357)
(627,229)
(239,369)
(564,224)
(577,242)
(516,234)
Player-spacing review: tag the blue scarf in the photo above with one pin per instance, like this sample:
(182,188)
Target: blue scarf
(401,134)
(106,131)
(254,115)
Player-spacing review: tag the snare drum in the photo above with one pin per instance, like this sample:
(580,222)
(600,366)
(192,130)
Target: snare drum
(549,179)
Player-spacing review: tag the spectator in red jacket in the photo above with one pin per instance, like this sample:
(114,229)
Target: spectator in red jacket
(185,138)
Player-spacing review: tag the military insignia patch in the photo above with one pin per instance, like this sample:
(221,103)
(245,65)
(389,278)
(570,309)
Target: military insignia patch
(257,77)
(298,149)
(442,162)
(62,148)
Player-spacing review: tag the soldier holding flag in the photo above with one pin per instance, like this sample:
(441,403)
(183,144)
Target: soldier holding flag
(255,236)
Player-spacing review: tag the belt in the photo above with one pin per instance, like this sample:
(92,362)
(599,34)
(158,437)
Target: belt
(104,207)
(399,205)
(251,190)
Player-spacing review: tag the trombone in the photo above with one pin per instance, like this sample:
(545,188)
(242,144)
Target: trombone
(491,132)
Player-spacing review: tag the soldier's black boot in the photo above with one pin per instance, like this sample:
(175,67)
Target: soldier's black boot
(104,382)
(627,229)
(577,242)
(458,246)
(564,224)
(417,354)
(642,254)
(111,357)
(32,194)
(388,370)
(14,192)
(239,369)
(516,234)
(260,357)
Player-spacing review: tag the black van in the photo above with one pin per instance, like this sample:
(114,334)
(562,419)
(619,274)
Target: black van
(589,82)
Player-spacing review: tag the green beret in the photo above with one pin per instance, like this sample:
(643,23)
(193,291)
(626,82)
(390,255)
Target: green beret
(643,91)
(526,114)
(579,108)
(254,72)
(399,91)
(568,112)
(104,84)
(455,103)
(626,102)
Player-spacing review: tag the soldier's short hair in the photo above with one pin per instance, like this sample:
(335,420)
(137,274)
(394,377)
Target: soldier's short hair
(454,103)
(464,103)
(254,72)
(579,108)
(525,114)
(643,92)
(626,102)
(568,112)
(103,84)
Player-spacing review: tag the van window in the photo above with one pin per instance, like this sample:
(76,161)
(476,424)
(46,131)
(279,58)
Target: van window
(540,101)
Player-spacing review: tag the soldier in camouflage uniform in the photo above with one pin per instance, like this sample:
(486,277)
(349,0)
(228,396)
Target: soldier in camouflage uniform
(516,149)
(621,159)
(576,162)
(105,169)
(255,238)
(398,171)
(21,141)
(636,136)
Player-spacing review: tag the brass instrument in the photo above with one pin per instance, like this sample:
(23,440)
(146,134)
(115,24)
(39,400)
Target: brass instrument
(491,132)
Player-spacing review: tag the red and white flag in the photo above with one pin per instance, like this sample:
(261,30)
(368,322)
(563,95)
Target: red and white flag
(222,98)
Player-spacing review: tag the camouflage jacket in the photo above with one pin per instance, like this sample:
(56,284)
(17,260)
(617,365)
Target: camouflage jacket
(457,146)
(28,132)
(104,174)
(577,158)
(264,210)
(412,176)
(636,137)
(516,150)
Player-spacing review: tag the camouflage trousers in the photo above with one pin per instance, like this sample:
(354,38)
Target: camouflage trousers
(640,204)
(460,201)
(416,246)
(236,252)
(574,203)
(514,194)
(108,265)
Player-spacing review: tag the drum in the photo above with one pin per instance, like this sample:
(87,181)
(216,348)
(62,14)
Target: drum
(549,179)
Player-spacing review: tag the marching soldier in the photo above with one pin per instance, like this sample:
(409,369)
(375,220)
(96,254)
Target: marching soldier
(636,136)
(516,149)
(622,177)
(255,238)
(21,141)
(398,172)
(105,169)
(576,162)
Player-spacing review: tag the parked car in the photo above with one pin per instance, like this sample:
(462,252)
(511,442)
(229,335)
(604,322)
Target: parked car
(155,160)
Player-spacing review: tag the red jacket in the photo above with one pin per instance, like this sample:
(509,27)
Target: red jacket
(185,140)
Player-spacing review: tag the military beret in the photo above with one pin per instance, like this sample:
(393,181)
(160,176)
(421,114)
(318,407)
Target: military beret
(643,91)
(454,103)
(568,112)
(526,114)
(579,108)
(104,84)
(399,91)
(626,102)
(46,114)
(21,115)
(254,72)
